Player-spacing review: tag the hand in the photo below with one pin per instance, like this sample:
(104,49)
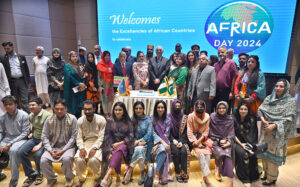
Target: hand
(61,86)
(94,89)
(265,123)
(82,153)
(211,98)
(53,153)
(4,149)
(175,142)
(156,81)
(59,153)
(179,145)
(270,127)
(136,143)
(92,153)
(142,143)
(109,157)
(154,149)
(196,143)
(244,146)
(231,95)
(130,87)
(36,148)
(115,145)
(167,147)
(29,136)
(227,144)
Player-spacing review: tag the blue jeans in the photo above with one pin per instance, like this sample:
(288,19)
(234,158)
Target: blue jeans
(160,160)
(24,152)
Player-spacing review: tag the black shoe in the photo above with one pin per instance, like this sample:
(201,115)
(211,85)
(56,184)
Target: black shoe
(179,179)
(263,178)
(2,176)
(142,180)
(298,130)
(269,183)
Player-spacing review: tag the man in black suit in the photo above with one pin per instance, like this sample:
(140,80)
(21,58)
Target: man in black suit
(17,73)
(158,68)
(123,68)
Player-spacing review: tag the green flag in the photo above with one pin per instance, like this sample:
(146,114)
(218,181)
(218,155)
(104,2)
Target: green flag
(171,88)
(163,87)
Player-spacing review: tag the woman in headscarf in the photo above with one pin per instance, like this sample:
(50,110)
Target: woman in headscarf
(250,85)
(222,134)
(140,72)
(180,150)
(74,77)
(106,83)
(90,71)
(197,132)
(161,150)
(118,143)
(55,74)
(143,133)
(245,127)
(278,114)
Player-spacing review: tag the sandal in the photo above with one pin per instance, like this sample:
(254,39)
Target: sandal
(104,183)
(179,179)
(156,180)
(28,182)
(38,180)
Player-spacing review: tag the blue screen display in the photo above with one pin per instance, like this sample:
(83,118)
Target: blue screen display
(260,28)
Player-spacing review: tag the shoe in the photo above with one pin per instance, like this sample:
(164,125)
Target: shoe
(156,180)
(28,181)
(179,179)
(269,183)
(218,177)
(38,180)
(69,183)
(2,176)
(263,178)
(142,180)
(298,130)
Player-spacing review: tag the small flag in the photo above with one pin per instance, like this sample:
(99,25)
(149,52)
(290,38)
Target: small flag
(163,87)
(171,88)
(122,88)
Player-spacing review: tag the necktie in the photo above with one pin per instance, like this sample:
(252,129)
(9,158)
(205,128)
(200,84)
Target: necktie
(123,67)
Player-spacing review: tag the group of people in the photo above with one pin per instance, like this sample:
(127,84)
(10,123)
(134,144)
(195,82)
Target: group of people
(209,90)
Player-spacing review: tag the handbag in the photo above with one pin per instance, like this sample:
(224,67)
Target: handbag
(150,174)
(260,148)
(4,159)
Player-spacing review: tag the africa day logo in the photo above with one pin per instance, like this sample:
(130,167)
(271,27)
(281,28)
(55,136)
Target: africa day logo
(243,26)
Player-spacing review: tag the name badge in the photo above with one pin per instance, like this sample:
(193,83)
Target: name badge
(109,69)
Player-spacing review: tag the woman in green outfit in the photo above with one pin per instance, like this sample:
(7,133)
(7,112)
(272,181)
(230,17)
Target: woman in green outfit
(179,72)
(74,77)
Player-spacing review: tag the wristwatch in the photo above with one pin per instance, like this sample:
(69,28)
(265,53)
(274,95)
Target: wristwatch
(95,148)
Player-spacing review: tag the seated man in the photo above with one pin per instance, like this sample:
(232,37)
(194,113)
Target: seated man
(37,118)
(14,128)
(91,129)
(58,137)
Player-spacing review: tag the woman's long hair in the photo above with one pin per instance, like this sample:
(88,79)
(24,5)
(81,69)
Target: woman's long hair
(125,118)
(155,113)
(134,118)
(237,115)
(189,64)
(253,78)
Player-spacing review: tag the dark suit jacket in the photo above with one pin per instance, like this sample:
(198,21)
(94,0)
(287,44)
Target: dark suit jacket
(24,68)
(118,71)
(157,71)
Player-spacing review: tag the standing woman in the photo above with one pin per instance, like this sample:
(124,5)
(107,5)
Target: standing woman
(278,114)
(55,74)
(4,87)
(106,83)
(179,72)
(222,134)
(74,77)
(250,85)
(245,127)
(91,81)
(140,72)
(118,143)
(180,150)
(197,132)
(191,64)
(143,134)
(161,150)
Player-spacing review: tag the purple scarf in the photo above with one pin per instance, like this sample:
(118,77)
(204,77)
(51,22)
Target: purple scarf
(221,126)
(175,119)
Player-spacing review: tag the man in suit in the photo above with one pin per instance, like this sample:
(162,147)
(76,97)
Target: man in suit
(17,73)
(149,55)
(129,58)
(203,84)
(158,68)
(123,68)
(97,53)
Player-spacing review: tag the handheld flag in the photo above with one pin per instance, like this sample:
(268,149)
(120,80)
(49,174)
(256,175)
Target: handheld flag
(163,87)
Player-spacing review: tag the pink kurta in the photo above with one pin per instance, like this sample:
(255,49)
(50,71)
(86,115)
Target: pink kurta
(197,128)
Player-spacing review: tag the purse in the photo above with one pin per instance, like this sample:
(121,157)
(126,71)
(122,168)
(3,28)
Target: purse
(260,148)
